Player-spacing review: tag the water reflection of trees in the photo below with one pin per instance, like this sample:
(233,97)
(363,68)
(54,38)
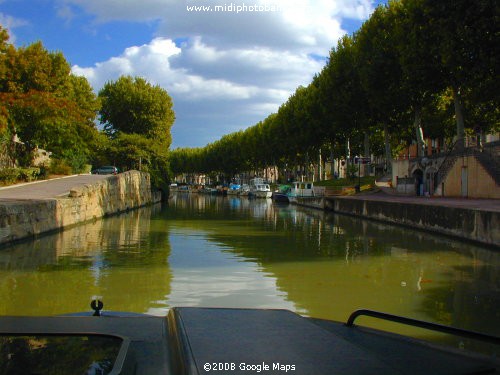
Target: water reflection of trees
(58,355)
(329,265)
(469,288)
(124,258)
(308,232)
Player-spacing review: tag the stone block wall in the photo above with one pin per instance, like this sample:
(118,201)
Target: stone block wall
(475,225)
(117,193)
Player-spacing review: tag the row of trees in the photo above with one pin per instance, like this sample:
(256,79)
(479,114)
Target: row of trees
(48,107)
(415,67)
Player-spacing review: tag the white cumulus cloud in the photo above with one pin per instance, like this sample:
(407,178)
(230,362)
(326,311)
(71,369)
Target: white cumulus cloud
(225,70)
(10,23)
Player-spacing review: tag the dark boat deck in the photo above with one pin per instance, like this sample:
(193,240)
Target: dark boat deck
(248,341)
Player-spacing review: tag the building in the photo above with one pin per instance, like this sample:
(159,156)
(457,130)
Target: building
(470,172)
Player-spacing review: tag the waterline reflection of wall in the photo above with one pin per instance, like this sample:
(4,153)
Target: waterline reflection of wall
(124,258)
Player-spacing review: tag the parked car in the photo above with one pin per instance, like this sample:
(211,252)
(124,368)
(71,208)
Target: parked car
(107,169)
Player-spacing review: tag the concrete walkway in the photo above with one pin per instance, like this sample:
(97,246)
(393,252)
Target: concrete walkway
(47,189)
(386,194)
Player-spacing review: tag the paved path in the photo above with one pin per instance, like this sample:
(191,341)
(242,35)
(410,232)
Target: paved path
(48,188)
(468,203)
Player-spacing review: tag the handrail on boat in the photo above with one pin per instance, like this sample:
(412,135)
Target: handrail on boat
(423,324)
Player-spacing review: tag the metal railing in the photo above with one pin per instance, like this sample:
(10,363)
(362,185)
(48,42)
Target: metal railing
(423,324)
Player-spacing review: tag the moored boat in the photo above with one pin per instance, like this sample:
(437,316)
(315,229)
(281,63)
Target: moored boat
(300,190)
(244,190)
(281,195)
(208,190)
(259,188)
(233,189)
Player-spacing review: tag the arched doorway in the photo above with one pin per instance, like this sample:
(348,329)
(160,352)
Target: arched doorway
(418,175)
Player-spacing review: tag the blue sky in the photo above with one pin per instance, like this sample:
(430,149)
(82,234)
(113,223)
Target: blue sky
(225,70)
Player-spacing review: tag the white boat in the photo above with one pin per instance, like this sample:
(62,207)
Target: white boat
(260,189)
(300,190)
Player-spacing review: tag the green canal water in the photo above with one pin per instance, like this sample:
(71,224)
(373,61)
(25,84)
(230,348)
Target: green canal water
(230,252)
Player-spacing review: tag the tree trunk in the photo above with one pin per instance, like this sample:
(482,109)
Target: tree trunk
(347,158)
(366,143)
(459,117)
(388,157)
(419,132)
(332,161)
(320,165)
(306,167)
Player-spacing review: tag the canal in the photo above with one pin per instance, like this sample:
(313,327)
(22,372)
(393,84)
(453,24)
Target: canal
(205,250)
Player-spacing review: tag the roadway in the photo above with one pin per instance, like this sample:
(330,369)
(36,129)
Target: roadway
(48,189)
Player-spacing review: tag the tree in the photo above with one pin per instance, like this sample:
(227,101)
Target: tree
(133,105)
(346,107)
(380,73)
(33,68)
(5,136)
(466,35)
(418,58)
(137,117)
(44,104)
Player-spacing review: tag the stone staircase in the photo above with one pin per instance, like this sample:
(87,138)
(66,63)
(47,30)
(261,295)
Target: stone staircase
(489,158)
(445,167)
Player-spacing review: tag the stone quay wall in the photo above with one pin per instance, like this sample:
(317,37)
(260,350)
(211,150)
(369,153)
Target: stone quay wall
(20,219)
(471,224)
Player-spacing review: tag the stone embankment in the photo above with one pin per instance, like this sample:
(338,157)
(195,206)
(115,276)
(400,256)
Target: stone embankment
(480,223)
(24,218)
(476,220)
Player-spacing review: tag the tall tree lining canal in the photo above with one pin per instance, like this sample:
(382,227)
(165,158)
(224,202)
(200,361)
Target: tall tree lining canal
(229,252)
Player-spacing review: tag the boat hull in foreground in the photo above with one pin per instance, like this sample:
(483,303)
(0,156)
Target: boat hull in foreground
(196,341)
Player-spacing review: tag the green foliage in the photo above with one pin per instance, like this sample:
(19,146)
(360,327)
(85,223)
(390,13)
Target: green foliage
(10,176)
(137,118)
(159,170)
(29,174)
(60,167)
(77,160)
(352,170)
(134,106)
(43,103)
(33,68)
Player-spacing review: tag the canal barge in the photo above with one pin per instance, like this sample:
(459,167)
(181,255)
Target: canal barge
(281,194)
(193,341)
(259,188)
(301,190)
